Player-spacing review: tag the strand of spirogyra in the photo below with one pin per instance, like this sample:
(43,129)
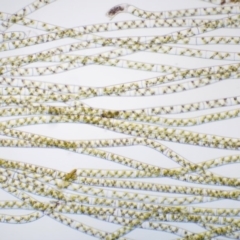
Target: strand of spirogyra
(65,66)
(131,225)
(143,46)
(176,75)
(176,35)
(23,205)
(161,172)
(79,62)
(30,41)
(171,14)
(115,91)
(125,212)
(25,197)
(206,11)
(115,53)
(131,113)
(23,182)
(147,170)
(35,120)
(19,15)
(222,2)
(126,48)
(84,146)
(133,129)
(212,54)
(152,171)
(49,211)
(119,89)
(211,40)
(127,127)
(150,91)
(156,226)
(162,121)
(20,219)
(91,195)
(135,223)
(13,35)
(41,189)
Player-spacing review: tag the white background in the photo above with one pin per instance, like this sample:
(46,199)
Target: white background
(71,13)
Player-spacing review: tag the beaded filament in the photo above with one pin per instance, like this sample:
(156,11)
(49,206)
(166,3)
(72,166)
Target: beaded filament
(134,196)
